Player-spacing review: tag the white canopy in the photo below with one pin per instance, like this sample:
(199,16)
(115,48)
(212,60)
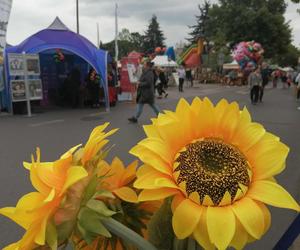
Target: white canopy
(164,61)
(232,65)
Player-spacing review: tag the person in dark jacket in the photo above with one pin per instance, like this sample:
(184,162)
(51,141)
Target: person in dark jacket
(265,73)
(73,87)
(93,86)
(162,83)
(145,92)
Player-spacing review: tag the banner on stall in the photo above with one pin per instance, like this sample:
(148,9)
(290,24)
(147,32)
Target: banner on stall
(5,7)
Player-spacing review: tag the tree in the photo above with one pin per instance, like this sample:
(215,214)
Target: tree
(153,37)
(124,35)
(137,40)
(127,42)
(200,28)
(259,20)
(290,58)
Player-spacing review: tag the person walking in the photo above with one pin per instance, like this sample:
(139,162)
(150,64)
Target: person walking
(145,92)
(255,82)
(265,79)
(297,82)
(162,83)
(275,75)
(181,74)
(189,76)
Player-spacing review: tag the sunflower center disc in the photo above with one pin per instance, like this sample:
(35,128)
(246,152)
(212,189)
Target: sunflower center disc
(211,167)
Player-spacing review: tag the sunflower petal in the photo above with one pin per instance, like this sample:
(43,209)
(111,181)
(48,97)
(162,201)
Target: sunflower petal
(271,162)
(250,215)
(185,218)
(75,174)
(152,159)
(240,237)
(13,246)
(201,233)
(151,131)
(272,194)
(247,136)
(177,199)
(40,238)
(157,194)
(158,147)
(267,215)
(220,226)
(130,174)
(126,194)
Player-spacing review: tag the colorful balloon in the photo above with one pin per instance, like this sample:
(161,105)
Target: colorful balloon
(248,55)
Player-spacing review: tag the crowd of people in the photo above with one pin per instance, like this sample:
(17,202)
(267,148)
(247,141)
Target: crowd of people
(79,91)
(260,77)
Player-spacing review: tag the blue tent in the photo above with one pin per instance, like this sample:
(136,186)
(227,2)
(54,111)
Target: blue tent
(58,36)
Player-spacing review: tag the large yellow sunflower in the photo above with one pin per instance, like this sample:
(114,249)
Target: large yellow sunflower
(218,165)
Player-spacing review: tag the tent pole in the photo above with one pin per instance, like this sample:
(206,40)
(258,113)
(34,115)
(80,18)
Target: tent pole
(106,85)
(116,35)
(98,37)
(77,16)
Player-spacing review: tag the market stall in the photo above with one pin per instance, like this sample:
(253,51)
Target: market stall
(61,41)
(164,61)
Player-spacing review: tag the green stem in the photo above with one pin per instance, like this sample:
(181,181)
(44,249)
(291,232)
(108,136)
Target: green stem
(127,234)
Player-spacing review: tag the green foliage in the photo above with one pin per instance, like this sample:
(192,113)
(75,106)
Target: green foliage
(51,236)
(290,58)
(90,225)
(261,20)
(100,208)
(200,28)
(153,37)
(127,42)
(160,228)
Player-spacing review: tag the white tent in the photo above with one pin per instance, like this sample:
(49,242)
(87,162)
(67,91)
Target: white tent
(232,65)
(163,61)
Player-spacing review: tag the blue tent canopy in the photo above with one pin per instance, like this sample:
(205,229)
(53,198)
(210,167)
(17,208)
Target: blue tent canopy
(58,36)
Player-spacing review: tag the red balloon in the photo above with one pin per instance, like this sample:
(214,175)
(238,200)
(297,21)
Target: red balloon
(157,49)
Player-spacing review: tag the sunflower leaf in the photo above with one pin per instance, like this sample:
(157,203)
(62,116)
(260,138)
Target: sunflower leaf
(160,228)
(90,190)
(104,193)
(86,235)
(90,221)
(51,236)
(100,208)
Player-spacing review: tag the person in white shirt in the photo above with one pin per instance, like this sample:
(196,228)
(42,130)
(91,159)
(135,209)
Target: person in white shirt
(181,74)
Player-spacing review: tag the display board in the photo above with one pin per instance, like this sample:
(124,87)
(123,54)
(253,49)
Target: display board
(24,69)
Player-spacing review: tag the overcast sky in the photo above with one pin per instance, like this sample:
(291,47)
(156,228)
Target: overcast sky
(30,16)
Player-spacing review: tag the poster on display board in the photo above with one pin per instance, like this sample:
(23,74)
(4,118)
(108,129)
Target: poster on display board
(133,73)
(35,89)
(16,64)
(33,64)
(18,90)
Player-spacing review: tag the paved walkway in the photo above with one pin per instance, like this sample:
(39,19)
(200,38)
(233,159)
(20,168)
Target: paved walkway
(56,131)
